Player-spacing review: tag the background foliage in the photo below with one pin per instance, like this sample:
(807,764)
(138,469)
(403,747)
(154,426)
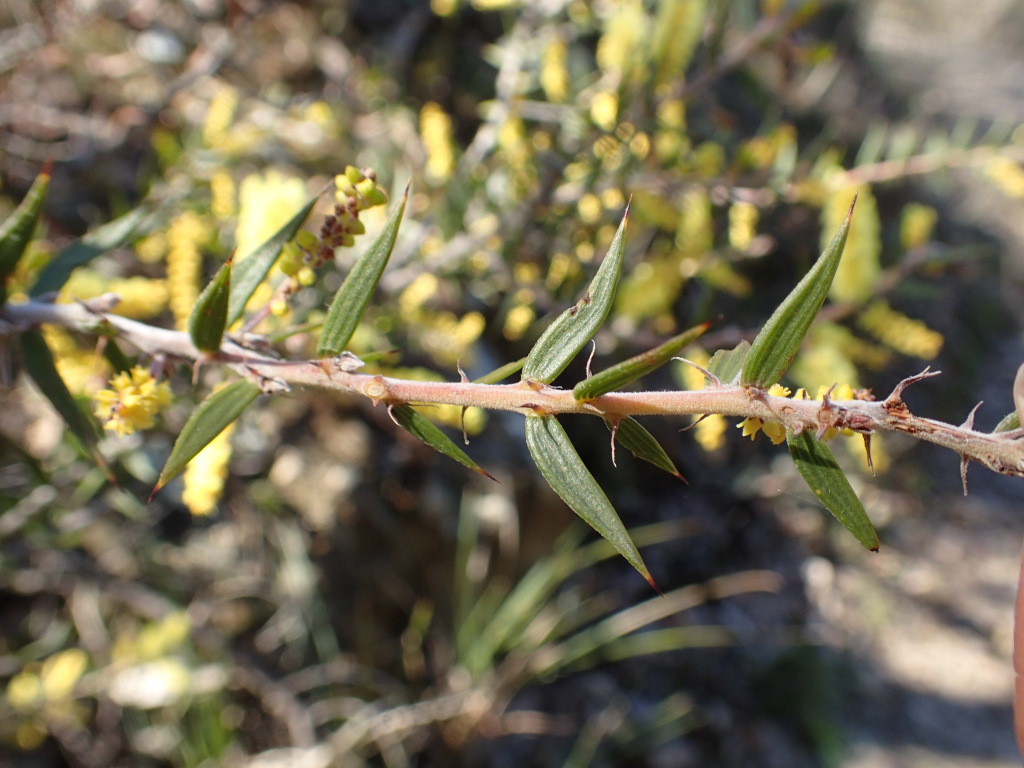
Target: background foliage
(318,582)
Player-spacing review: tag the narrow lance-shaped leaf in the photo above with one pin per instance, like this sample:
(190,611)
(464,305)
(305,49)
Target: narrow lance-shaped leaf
(419,426)
(353,297)
(627,371)
(565,472)
(632,435)
(212,416)
(818,467)
(39,364)
(17,229)
(501,373)
(777,343)
(253,269)
(571,330)
(209,316)
(103,239)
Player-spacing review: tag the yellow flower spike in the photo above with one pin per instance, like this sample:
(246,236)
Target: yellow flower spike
(265,204)
(132,401)
(710,432)
(554,72)
(206,473)
(222,195)
(185,237)
(219,116)
(436,130)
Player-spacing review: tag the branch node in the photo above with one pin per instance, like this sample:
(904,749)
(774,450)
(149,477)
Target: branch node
(895,399)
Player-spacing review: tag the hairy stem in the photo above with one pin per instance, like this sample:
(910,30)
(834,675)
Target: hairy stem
(1001,452)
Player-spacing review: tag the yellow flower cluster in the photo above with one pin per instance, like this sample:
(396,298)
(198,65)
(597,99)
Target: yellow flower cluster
(775,431)
(206,473)
(133,400)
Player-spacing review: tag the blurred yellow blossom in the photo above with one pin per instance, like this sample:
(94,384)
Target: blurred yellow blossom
(222,195)
(904,334)
(266,201)
(436,130)
(219,115)
(132,401)
(185,238)
(554,73)
(206,473)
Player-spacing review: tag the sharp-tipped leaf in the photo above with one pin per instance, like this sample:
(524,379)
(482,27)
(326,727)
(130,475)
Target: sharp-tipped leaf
(777,343)
(352,298)
(571,330)
(39,364)
(211,418)
(209,316)
(253,269)
(635,438)
(727,363)
(17,229)
(103,239)
(628,371)
(565,472)
(818,467)
(419,426)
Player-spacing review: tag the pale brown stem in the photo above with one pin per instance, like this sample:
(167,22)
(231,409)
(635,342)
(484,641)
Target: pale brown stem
(1001,452)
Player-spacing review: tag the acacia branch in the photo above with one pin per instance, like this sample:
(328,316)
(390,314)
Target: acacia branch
(1001,452)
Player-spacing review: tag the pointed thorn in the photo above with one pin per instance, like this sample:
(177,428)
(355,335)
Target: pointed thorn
(969,421)
(462,421)
(963,472)
(593,349)
(867,451)
(715,381)
(463,378)
(688,427)
(391,415)
(615,432)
